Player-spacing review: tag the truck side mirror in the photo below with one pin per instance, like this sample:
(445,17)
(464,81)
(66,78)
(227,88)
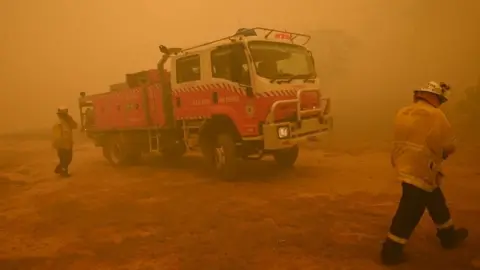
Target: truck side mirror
(163,49)
(249,91)
(239,63)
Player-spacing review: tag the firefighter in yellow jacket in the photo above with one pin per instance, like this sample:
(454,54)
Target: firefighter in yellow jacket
(423,139)
(63,140)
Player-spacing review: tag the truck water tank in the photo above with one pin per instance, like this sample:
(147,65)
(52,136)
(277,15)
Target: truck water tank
(145,77)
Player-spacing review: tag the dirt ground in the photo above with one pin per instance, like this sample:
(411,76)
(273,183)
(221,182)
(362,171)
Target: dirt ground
(331,212)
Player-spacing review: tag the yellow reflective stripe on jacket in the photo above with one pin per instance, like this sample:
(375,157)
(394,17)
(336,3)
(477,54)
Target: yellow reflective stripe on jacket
(420,134)
(415,181)
(411,146)
(397,239)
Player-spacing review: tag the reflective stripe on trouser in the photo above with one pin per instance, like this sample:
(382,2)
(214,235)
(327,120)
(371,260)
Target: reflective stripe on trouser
(410,210)
(397,239)
(445,225)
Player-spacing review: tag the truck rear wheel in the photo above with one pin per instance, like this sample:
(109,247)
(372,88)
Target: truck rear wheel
(115,153)
(118,153)
(286,157)
(225,156)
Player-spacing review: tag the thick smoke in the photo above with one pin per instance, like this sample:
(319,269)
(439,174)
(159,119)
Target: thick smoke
(370,54)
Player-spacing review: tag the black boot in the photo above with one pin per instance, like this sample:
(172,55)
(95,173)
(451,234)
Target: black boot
(58,169)
(65,173)
(392,253)
(451,238)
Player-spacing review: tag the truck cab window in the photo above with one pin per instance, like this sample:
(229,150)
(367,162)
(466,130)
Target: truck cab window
(230,63)
(281,60)
(188,69)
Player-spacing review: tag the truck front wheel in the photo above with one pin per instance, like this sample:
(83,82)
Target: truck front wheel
(225,156)
(286,157)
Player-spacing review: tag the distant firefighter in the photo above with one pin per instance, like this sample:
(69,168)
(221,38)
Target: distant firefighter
(63,140)
(472,101)
(423,139)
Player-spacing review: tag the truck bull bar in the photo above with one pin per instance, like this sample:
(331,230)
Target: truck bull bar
(271,115)
(300,130)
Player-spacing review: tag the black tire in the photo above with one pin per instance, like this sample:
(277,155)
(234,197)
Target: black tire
(105,152)
(118,154)
(207,148)
(286,157)
(225,158)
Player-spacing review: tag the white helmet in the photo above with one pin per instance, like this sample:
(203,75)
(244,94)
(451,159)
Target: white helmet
(62,110)
(442,90)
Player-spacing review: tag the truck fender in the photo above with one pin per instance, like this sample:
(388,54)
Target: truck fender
(216,124)
(226,111)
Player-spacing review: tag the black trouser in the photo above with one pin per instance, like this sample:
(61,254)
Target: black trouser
(65,157)
(410,210)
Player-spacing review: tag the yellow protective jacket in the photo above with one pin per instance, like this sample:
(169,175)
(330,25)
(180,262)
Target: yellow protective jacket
(423,138)
(62,134)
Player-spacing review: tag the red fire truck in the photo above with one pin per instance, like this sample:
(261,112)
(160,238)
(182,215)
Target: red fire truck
(244,96)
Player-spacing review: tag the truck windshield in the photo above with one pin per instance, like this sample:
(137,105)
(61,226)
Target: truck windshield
(275,60)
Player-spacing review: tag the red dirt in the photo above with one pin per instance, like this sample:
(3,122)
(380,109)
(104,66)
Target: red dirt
(331,212)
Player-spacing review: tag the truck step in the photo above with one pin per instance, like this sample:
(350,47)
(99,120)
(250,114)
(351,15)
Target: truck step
(193,140)
(154,141)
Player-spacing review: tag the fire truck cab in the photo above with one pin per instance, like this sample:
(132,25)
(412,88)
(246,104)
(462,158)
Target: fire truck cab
(244,96)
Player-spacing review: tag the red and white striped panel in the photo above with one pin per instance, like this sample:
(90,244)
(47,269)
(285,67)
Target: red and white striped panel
(232,88)
(192,118)
(277,93)
(210,87)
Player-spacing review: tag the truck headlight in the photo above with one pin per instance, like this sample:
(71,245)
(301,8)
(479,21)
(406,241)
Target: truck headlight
(283,132)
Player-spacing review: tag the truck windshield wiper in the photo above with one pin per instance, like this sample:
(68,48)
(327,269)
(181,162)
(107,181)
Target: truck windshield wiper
(282,76)
(306,77)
